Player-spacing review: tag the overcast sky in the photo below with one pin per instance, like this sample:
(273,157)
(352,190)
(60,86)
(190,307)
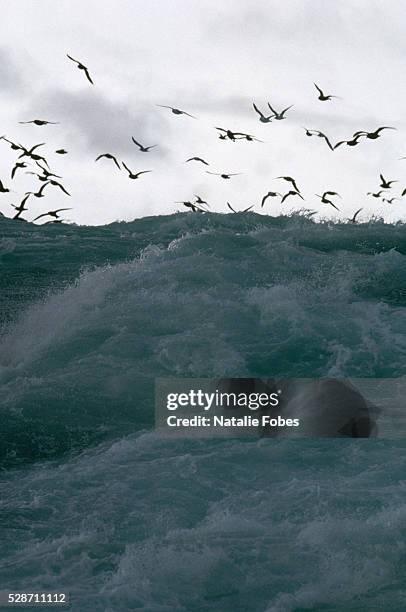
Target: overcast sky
(213,60)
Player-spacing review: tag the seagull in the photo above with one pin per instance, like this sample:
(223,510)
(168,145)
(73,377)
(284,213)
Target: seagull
(200,201)
(16,167)
(131,175)
(320,135)
(378,194)
(109,156)
(40,122)
(61,151)
(141,147)
(249,137)
(325,200)
(21,207)
(40,193)
(350,143)
(290,180)
(13,145)
(56,184)
(176,111)
(199,159)
(46,174)
(353,220)
(279,116)
(373,135)
(3,189)
(322,96)
(224,175)
(390,200)
(30,153)
(270,194)
(51,213)
(291,193)
(228,133)
(81,67)
(385,184)
(263,118)
(191,206)
(237,211)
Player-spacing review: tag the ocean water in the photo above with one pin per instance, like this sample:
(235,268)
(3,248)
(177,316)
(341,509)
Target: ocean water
(96,503)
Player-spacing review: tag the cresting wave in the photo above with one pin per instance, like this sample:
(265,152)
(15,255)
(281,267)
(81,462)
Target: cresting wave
(96,503)
(196,296)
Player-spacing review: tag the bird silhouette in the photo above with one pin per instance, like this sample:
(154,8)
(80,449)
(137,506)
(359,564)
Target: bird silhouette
(385,184)
(21,208)
(200,201)
(177,111)
(61,151)
(16,167)
(131,175)
(263,118)
(354,218)
(322,96)
(279,116)
(290,180)
(325,199)
(109,156)
(51,213)
(81,67)
(270,194)
(378,194)
(3,189)
(40,122)
(198,159)
(237,211)
(353,142)
(141,147)
(373,135)
(224,175)
(291,193)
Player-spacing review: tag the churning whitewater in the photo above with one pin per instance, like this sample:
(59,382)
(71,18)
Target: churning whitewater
(94,501)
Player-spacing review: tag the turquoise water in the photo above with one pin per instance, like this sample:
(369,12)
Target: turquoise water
(96,503)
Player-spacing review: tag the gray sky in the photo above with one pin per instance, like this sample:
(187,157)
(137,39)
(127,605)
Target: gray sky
(213,61)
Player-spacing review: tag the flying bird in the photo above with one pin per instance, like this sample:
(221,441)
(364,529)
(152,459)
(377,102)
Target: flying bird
(350,143)
(177,111)
(200,201)
(40,122)
(270,194)
(52,213)
(373,135)
(320,135)
(279,116)
(291,180)
(141,147)
(354,218)
(390,200)
(322,96)
(291,193)
(21,207)
(61,151)
(263,118)
(378,194)
(325,199)
(385,184)
(16,167)
(191,206)
(81,67)
(40,193)
(198,159)
(224,175)
(131,175)
(236,211)
(109,156)
(3,189)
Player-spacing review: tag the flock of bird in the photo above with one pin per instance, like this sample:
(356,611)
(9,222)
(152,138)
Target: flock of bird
(33,163)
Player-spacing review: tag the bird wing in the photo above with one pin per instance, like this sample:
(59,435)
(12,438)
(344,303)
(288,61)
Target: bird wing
(272,109)
(318,89)
(355,215)
(62,187)
(286,109)
(188,114)
(135,142)
(88,75)
(264,199)
(230,207)
(60,210)
(257,110)
(382,179)
(39,216)
(73,60)
(143,172)
(247,209)
(127,168)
